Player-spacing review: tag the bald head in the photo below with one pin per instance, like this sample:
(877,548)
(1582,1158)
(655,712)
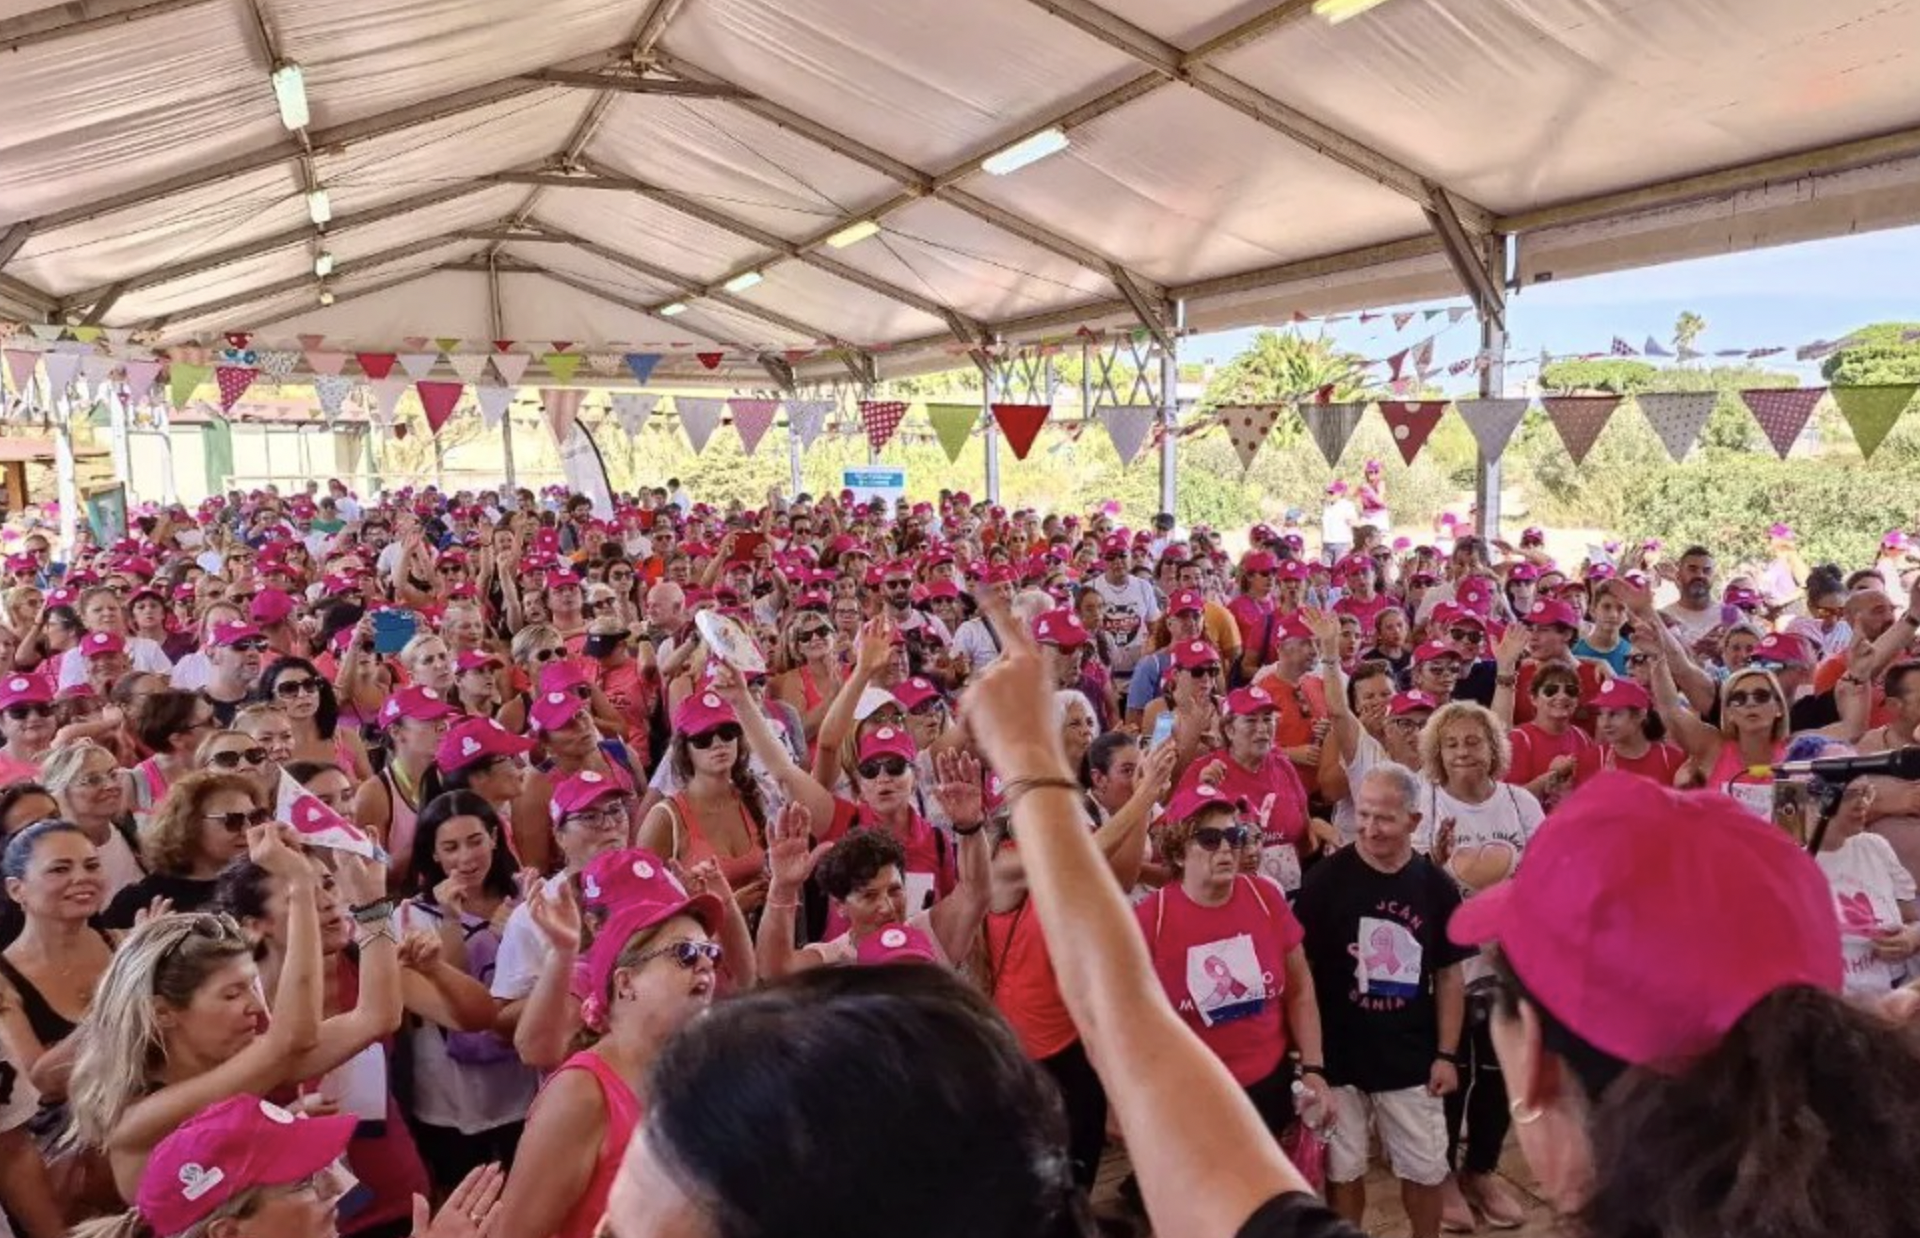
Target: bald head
(1870,611)
(666,605)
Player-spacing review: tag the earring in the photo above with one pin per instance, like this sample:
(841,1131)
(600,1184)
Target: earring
(1522,1114)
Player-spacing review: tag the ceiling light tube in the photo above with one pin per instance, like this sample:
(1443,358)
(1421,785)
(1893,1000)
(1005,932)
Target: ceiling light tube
(674,310)
(853,234)
(290,91)
(743,281)
(1337,11)
(323,264)
(1031,150)
(319,209)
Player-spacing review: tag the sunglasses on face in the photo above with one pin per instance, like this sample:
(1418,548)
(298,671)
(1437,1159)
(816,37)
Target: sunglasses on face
(1202,672)
(899,584)
(725,733)
(686,953)
(1740,700)
(1209,837)
(237,822)
(888,767)
(813,634)
(1548,692)
(544,656)
(20,713)
(287,689)
(255,757)
(251,645)
(1466,636)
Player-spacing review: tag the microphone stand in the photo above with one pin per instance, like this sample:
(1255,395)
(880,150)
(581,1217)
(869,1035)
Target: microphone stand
(1826,796)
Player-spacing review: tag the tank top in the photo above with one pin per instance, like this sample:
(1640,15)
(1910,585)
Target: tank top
(402,819)
(49,1026)
(623,1118)
(1729,775)
(739,869)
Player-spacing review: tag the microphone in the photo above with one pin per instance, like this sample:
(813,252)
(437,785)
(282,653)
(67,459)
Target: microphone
(1903,763)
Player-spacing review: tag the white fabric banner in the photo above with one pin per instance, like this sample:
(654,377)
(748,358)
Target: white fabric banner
(700,416)
(1128,426)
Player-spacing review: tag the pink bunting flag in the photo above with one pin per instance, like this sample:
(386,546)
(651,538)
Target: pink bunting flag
(751,420)
(1782,412)
(327,363)
(1397,362)
(1412,423)
(437,400)
(233,381)
(141,373)
(1400,321)
(881,418)
(311,342)
(1579,419)
(562,408)
(1423,356)
(317,824)
(511,366)
(1021,423)
(20,366)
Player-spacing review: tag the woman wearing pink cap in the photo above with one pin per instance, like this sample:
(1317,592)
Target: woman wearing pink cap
(1630,736)
(1252,609)
(26,725)
(414,719)
(719,813)
(1548,749)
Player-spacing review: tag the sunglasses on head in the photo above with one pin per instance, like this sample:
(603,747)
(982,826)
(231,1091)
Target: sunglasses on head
(235,822)
(726,733)
(286,689)
(890,767)
(1547,692)
(255,757)
(1740,700)
(686,953)
(20,713)
(1209,837)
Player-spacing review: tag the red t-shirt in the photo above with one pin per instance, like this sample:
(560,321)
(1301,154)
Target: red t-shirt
(1590,681)
(1534,750)
(1024,986)
(1225,969)
(1279,801)
(1660,762)
(1366,612)
(930,874)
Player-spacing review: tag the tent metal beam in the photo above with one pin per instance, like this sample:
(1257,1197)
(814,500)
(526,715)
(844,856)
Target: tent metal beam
(1467,251)
(61,21)
(12,239)
(631,84)
(304,280)
(386,285)
(1150,317)
(1257,27)
(27,294)
(102,307)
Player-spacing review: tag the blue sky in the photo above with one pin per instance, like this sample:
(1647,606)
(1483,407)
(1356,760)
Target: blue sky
(1785,296)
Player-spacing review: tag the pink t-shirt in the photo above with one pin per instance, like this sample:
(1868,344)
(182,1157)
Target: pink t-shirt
(1279,801)
(1225,969)
(1534,751)
(1366,612)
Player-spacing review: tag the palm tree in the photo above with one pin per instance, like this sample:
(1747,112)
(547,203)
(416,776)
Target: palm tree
(1686,329)
(1277,368)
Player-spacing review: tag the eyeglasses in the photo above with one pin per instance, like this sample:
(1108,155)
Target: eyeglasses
(889,767)
(686,953)
(1547,692)
(1209,838)
(597,819)
(20,713)
(255,757)
(237,822)
(287,689)
(95,780)
(725,733)
(1466,636)
(544,656)
(1740,700)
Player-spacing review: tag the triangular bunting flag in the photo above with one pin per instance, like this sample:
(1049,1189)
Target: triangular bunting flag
(1248,427)
(1458,312)
(311,342)
(277,363)
(468,365)
(1128,426)
(1397,362)
(332,390)
(96,368)
(699,416)
(1677,417)
(711,360)
(641,364)
(1579,419)
(605,364)
(561,405)
(437,400)
(447,343)
(233,381)
(1492,422)
(1871,411)
(632,411)
(1782,412)
(493,404)
(562,345)
(119,337)
(1654,348)
(376,365)
(326,362)
(141,371)
(419,364)
(62,368)
(386,398)
(511,366)
(47,331)
(86,335)
(1412,423)
(1332,426)
(806,418)
(238,339)
(1021,424)
(1623,349)
(563,365)
(415,342)
(316,823)
(502,345)
(183,379)
(751,420)
(952,424)
(1400,321)
(880,419)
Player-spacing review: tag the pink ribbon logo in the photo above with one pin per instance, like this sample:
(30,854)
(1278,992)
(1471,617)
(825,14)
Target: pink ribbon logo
(1225,987)
(1383,957)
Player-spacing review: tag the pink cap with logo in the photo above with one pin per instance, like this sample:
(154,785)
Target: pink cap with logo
(101,644)
(1630,887)
(581,790)
(1621,694)
(473,740)
(888,741)
(25,690)
(232,1146)
(1061,628)
(1291,569)
(1198,797)
(270,606)
(415,704)
(555,707)
(1433,651)
(1783,648)
(475,660)
(701,712)
(915,692)
(226,635)
(1186,602)
(1550,613)
(1405,703)
(896,943)
(1191,655)
(1244,702)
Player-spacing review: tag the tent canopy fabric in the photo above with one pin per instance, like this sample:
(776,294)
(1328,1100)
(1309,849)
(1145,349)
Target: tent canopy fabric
(568,170)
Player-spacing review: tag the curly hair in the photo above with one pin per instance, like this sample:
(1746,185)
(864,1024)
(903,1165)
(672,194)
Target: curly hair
(1173,836)
(1433,768)
(857,859)
(170,839)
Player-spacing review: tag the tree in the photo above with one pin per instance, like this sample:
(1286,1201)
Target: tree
(1276,369)
(1686,329)
(1874,355)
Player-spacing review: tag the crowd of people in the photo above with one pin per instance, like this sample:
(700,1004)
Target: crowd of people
(482,864)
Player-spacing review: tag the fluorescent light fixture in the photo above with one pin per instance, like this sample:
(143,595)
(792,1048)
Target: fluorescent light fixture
(290,90)
(1337,11)
(853,234)
(744,281)
(319,210)
(323,264)
(326,296)
(1020,154)
(674,310)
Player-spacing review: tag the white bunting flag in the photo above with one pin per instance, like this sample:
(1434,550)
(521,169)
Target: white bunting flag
(419,364)
(276,364)
(511,366)
(807,418)
(468,365)
(386,395)
(1332,426)
(632,411)
(493,404)
(332,390)
(1128,426)
(63,366)
(1677,417)
(1492,422)
(700,416)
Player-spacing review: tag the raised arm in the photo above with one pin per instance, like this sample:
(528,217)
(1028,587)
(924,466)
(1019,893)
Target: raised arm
(870,658)
(790,862)
(550,1016)
(377,1010)
(1346,726)
(1506,671)
(799,785)
(956,919)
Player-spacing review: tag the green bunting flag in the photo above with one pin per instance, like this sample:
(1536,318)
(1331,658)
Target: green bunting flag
(183,380)
(1871,411)
(953,423)
(563,365)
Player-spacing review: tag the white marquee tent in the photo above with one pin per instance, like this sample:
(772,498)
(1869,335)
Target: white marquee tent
(576,169)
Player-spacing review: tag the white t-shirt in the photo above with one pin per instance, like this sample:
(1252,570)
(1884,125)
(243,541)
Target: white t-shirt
(524,951)
(1869,884)
(1488,838)
(976,643)
(1337,521)
(118,864)
(146,655)
(19,1101)
(1366,754)
(1694,624)
(192,672)
(1131,606)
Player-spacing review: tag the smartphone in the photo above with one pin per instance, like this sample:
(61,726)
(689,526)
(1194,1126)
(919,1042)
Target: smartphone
(392,629)
(1162,730)
(745,546)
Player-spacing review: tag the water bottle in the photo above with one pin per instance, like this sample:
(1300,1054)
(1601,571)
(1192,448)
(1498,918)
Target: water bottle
(1311,1111)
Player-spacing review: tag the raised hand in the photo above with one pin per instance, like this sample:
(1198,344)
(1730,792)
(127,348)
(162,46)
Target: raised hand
(421,950)
(469,1212)
(272,847)
(1156,770)
(361,880)
(1637,600)
(876,645)
(958,786)
(557,916)
(1512,647)
(790,853)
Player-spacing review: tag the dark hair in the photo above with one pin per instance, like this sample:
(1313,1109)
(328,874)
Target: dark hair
(901,1102)
(1554,673)
(745,785)
(857,859)
(1802,1122)
(329,716)
(11,796)
(1104,748)
(427,872)
(1696,552)
(241,890)
(1371,669)
(160,716)
(304,772)
(20,848)
(1897,676)
(333,617)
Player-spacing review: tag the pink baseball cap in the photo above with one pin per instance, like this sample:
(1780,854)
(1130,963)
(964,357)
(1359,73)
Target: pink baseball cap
(582,790)
(553,708)
(415,704)
(648,895)
(896,943)
(1630,887)
(1523,572)
(1191,655)
(475,660)
(888,741)
(1621,694)
(270,606)
(1433,651)
(1291,569)
(1061,628)
(1742,597)
(228,634)
(1474,595)
(701,712)
(1186,602)
(473,740)
(232,1146)
(25,690)
(1547,613)
(1197,797)
(915,692)
(1784,648)
(100,644)
(1259,561)
(1405,703)
(1243,702)
(1291,627)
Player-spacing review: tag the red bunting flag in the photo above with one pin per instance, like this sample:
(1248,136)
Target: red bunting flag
(503,346)
(233,381)
(795,356)
(881,418)
(1397,362)
(711,360)
(238,339)
(1783,412)
(376,365)
(1021,423)
(1579,419)
(562,345)
(1412,423)
(437,400)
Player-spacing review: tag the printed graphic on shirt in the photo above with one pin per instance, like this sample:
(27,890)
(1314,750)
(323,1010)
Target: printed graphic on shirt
(1387,959)
(1478,865)
(1279,860)
(1224,981)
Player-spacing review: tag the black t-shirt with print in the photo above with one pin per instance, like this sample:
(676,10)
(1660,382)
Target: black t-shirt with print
(1296,1215)
(1374,943)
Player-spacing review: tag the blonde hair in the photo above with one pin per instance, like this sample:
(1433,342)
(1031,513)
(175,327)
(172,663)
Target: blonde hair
(1778,731)
(534,635)
(212,741)
(118,1046)
(256,713)
(63,764)
(1430,763)
(171,836)
(411,649)
(131,1224)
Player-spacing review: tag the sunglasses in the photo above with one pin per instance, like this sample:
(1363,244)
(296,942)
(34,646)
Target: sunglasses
(236,822)
(810,634)
(1209,837)
(686,953)
(1549,691)
(1740,700)
(725,733)
(890,767)
(255,757)
(1466,636)
(287,689)
(927,709)
(250,645)
(547,655)
(899,584)
(20,713)
(1202,672)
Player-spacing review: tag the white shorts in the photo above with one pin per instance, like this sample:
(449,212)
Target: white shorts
(1413,1130)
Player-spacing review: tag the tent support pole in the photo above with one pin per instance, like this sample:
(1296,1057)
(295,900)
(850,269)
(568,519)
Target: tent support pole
(795,477)
(499,321)
(1176,317)
(65,474)
(991,437)
(118,414)
(1493,346)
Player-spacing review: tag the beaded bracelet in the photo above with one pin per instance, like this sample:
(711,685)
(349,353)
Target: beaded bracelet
(1017,787)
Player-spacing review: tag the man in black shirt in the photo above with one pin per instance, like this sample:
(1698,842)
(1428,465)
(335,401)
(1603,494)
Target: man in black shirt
(1392,998)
